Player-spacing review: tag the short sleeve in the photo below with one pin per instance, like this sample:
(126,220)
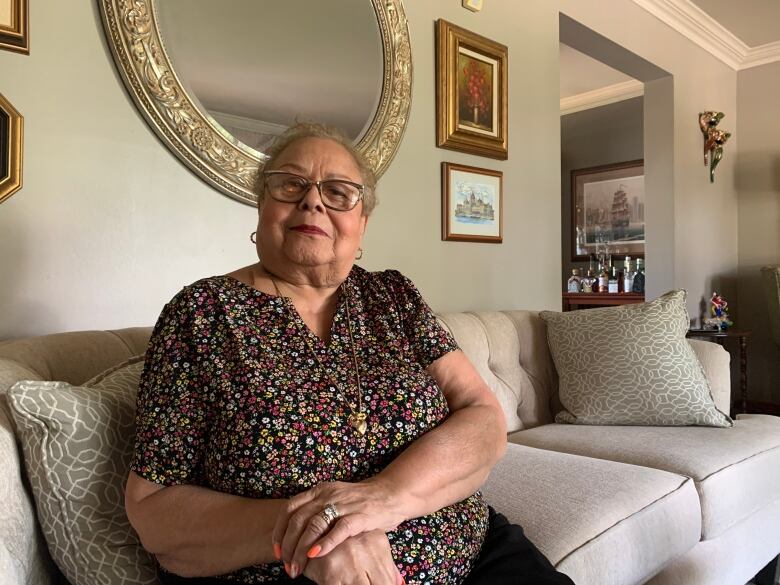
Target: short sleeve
(428,340)
(172,410)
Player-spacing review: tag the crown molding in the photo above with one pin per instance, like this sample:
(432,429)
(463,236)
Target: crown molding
(761,55)
(699,27)
(602,96)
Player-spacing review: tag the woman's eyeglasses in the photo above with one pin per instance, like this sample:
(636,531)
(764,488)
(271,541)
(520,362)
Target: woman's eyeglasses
(335,194)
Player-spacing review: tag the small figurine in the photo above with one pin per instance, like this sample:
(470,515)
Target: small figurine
(714,139)
(720,313)
(707,121)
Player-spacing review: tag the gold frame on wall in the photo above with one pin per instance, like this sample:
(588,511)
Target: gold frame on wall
(486,134)
(134,38)
(14,35)
(11,143)
(448,230)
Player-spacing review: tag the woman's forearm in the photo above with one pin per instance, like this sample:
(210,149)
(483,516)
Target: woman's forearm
(195,531)
(445,465)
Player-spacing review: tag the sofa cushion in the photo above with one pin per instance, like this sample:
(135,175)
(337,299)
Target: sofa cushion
(76,442)
(509,350)
(736,470)
(581,512)
(734,557)
(77,355)
(630,365)
(714,360)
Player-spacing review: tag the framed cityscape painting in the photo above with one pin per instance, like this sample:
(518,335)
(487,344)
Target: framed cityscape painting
(471,92)
(608,208)
(472,206)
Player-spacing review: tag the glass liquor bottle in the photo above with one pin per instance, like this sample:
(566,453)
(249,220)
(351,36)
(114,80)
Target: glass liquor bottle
(612,283)
(575,281)
(639,277)
(603,279)
(589,282)
(628,275)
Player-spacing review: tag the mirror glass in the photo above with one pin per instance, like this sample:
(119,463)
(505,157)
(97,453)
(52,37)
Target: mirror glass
(216,81)
(256,67)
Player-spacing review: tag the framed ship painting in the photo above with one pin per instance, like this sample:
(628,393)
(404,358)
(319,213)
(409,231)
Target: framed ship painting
(608,208)
(472,207)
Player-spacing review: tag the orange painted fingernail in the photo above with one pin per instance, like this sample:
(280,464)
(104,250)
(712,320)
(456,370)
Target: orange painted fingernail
(278,551)
(287,568)
(314,551)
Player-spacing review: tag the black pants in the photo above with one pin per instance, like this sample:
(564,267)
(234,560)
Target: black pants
(507,558)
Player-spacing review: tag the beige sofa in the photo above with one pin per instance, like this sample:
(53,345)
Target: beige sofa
(607,505)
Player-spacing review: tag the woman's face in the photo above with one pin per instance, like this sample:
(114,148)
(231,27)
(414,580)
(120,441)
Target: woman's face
(307,233)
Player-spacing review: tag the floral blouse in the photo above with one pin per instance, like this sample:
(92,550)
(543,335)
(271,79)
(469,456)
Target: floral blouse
(231,398)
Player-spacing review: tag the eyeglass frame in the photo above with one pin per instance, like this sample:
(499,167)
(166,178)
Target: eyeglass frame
(361,188)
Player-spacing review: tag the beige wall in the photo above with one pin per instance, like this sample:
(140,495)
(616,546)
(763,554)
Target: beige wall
(758,182)
(109,225)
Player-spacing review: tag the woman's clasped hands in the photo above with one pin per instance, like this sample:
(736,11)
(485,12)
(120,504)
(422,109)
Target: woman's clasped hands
(334,534)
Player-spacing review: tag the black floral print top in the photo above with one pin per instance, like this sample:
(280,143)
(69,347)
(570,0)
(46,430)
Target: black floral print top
(232,398)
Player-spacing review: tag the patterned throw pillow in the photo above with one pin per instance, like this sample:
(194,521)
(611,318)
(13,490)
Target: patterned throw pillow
(630,365)
(77,442)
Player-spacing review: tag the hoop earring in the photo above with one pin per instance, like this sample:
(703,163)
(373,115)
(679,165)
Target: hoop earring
(360,250)
(253,237)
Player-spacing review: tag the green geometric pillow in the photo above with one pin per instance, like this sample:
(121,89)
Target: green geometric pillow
(77,442)
(630,365)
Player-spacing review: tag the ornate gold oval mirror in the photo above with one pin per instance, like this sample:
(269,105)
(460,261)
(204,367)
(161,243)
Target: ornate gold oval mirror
(218,80)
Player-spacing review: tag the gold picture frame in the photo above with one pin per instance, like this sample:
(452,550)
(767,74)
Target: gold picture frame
(471,92)
(472,205)
(13,26)
(11,132)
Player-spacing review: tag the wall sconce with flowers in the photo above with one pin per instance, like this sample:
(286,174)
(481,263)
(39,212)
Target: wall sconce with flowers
(714,139)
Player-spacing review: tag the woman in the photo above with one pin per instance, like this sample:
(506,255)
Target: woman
(303,418)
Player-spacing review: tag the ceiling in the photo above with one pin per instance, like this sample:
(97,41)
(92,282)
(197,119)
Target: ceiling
(743,34)
(582,74)
(754,22)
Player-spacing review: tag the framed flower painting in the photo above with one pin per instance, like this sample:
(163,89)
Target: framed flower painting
(471,92)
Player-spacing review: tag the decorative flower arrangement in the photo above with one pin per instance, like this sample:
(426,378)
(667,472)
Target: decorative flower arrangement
(477,88)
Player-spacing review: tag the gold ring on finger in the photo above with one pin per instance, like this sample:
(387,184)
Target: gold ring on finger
(329,514)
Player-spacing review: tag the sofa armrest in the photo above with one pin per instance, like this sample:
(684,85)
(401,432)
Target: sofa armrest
(24,558)
(714,361)
(23,555)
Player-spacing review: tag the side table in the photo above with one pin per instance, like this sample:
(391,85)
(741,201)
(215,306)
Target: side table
(720,337)
(574,301)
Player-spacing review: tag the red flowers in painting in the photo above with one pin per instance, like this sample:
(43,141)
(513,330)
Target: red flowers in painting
(477,85)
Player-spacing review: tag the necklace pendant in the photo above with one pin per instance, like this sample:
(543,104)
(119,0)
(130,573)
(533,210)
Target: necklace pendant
(358,422)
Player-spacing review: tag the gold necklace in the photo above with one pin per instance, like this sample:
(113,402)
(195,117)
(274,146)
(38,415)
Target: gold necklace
(356,419)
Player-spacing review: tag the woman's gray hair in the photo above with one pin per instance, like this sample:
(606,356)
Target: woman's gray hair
(303,130)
